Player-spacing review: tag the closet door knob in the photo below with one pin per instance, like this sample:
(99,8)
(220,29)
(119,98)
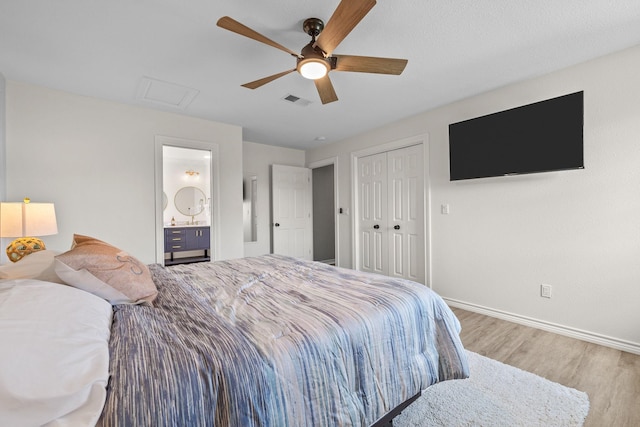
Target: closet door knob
(277,224)
(376,226)
(396,227)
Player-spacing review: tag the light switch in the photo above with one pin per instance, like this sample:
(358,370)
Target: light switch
(444,209)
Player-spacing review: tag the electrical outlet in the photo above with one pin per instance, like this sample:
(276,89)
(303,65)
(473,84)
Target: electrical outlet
(545,291)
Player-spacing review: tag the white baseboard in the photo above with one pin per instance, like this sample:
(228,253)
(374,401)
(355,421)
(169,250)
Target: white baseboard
(604,340)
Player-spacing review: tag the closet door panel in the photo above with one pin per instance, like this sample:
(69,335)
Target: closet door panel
(391,213)
(406,213)
(372,189)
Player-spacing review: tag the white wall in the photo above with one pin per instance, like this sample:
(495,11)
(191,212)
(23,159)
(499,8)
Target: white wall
(257,160)
(95,160)
(3,165)
(3,157)
(578,231)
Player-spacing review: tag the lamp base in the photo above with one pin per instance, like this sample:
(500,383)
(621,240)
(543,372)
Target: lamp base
(22,247)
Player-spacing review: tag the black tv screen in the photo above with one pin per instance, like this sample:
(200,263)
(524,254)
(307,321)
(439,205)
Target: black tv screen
(541,137)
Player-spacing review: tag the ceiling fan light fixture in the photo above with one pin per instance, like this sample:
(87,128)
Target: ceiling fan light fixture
(315,61)
(313,68)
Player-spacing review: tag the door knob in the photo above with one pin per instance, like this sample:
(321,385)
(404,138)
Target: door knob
(277,224)
(376,226)
(396,227)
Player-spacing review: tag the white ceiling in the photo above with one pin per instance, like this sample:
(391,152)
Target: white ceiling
(455,48)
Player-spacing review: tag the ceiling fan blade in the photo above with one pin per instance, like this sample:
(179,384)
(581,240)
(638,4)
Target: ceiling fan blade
(232,25)
(369,64)
(263,81)
(344,19)
(325,90)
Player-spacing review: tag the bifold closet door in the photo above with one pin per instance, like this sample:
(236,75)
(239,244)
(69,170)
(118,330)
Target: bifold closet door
(391,213)
(405,170)
(372,210)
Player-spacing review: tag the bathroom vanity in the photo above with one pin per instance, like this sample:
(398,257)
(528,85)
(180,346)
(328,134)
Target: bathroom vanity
(187,238)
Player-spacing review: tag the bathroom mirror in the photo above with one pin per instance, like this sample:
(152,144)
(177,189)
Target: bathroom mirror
(190,201)
(165,201)
(250,213)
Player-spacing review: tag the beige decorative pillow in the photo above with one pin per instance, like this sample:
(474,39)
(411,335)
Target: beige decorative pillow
(38,265)
(106,271)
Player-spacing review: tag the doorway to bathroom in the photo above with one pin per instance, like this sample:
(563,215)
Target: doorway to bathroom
(186,201)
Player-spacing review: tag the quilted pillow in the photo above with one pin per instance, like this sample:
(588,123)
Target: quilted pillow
(106,271)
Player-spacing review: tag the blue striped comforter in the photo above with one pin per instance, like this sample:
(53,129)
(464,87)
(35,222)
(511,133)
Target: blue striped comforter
(276,341)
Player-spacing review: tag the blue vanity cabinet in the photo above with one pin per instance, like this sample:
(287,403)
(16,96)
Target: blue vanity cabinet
(182,239)
(197,238)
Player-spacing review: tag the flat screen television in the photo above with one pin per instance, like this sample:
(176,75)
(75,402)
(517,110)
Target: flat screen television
(541,137)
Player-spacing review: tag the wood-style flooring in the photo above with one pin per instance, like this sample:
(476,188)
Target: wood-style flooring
(610,377)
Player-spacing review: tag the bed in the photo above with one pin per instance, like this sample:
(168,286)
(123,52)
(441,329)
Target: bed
(275,341)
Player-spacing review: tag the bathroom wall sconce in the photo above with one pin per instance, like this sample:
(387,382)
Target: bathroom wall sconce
(191,172)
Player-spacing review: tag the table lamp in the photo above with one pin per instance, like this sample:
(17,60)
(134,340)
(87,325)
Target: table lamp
(24,220)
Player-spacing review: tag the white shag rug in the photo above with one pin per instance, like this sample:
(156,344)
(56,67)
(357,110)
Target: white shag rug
(496,395)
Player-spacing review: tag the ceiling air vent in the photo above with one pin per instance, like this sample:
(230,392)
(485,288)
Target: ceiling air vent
(297,100)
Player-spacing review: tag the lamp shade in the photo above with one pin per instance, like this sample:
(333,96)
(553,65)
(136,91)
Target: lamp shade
(24,220)
(27,219)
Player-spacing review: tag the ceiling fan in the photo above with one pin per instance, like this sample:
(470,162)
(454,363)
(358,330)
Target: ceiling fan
(315,61)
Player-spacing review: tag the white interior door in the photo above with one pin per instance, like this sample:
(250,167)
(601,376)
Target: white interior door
(391,213)
(291,211)
(406,213)
(372,191)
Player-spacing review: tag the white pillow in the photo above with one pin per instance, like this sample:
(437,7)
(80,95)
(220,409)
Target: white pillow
(38,265)
(54,357)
